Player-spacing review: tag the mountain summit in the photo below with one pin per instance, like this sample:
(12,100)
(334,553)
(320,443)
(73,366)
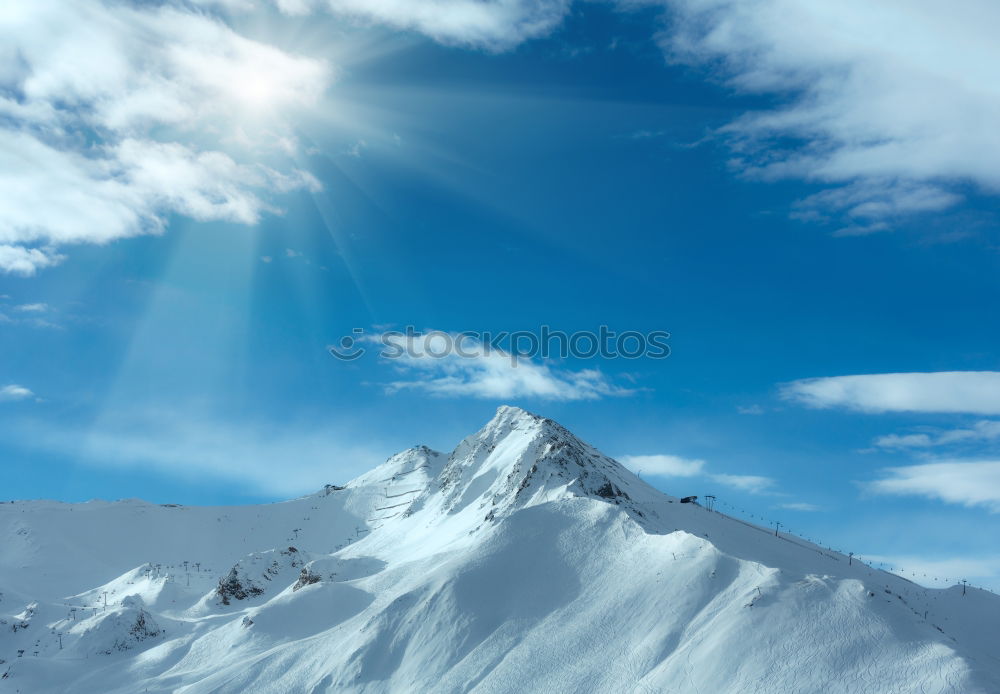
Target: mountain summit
(520,459)
(523,561)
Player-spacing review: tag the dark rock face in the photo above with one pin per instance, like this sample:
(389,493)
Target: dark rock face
(306,577)
(235,586)
(144,627)
(245,580)
(130,627)
(610,491)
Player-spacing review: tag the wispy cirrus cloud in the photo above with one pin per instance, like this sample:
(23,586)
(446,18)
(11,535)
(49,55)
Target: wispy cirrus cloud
(973,392)
(37,315)
(979,432)
(489,24)
(32,308)
(115,116)
(493,25)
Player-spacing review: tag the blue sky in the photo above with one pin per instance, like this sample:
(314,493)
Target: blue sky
(195,211)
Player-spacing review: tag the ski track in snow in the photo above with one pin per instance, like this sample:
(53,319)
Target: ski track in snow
(523,561)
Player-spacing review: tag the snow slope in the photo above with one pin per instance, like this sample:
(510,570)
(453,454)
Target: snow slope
(525,560)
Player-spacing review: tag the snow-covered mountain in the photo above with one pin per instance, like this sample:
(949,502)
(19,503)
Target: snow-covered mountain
(524,561)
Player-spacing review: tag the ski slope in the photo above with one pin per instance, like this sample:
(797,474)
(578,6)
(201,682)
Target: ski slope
(525,560)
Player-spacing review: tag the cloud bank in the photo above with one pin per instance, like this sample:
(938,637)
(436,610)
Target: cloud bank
(112,116)
(117,115)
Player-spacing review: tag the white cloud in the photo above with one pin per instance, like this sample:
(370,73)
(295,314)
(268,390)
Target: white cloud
(665,465)
(113,117)
(894,100)
(974,392)
(985,430)
(116,116)
(30,315)
(662,465)
(904,441)
(487,373)
(14,392)
(971,483)
(493,25)
(490,24)
(19,260)
(32,308)
(754,484)
(799,506)
(752,409)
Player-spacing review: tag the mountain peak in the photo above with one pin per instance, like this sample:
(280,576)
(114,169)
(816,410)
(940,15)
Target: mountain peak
(513,411)
(513,417)
(510,418)
(519,458)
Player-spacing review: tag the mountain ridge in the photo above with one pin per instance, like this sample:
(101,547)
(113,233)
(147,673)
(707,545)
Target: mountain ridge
(477,570)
